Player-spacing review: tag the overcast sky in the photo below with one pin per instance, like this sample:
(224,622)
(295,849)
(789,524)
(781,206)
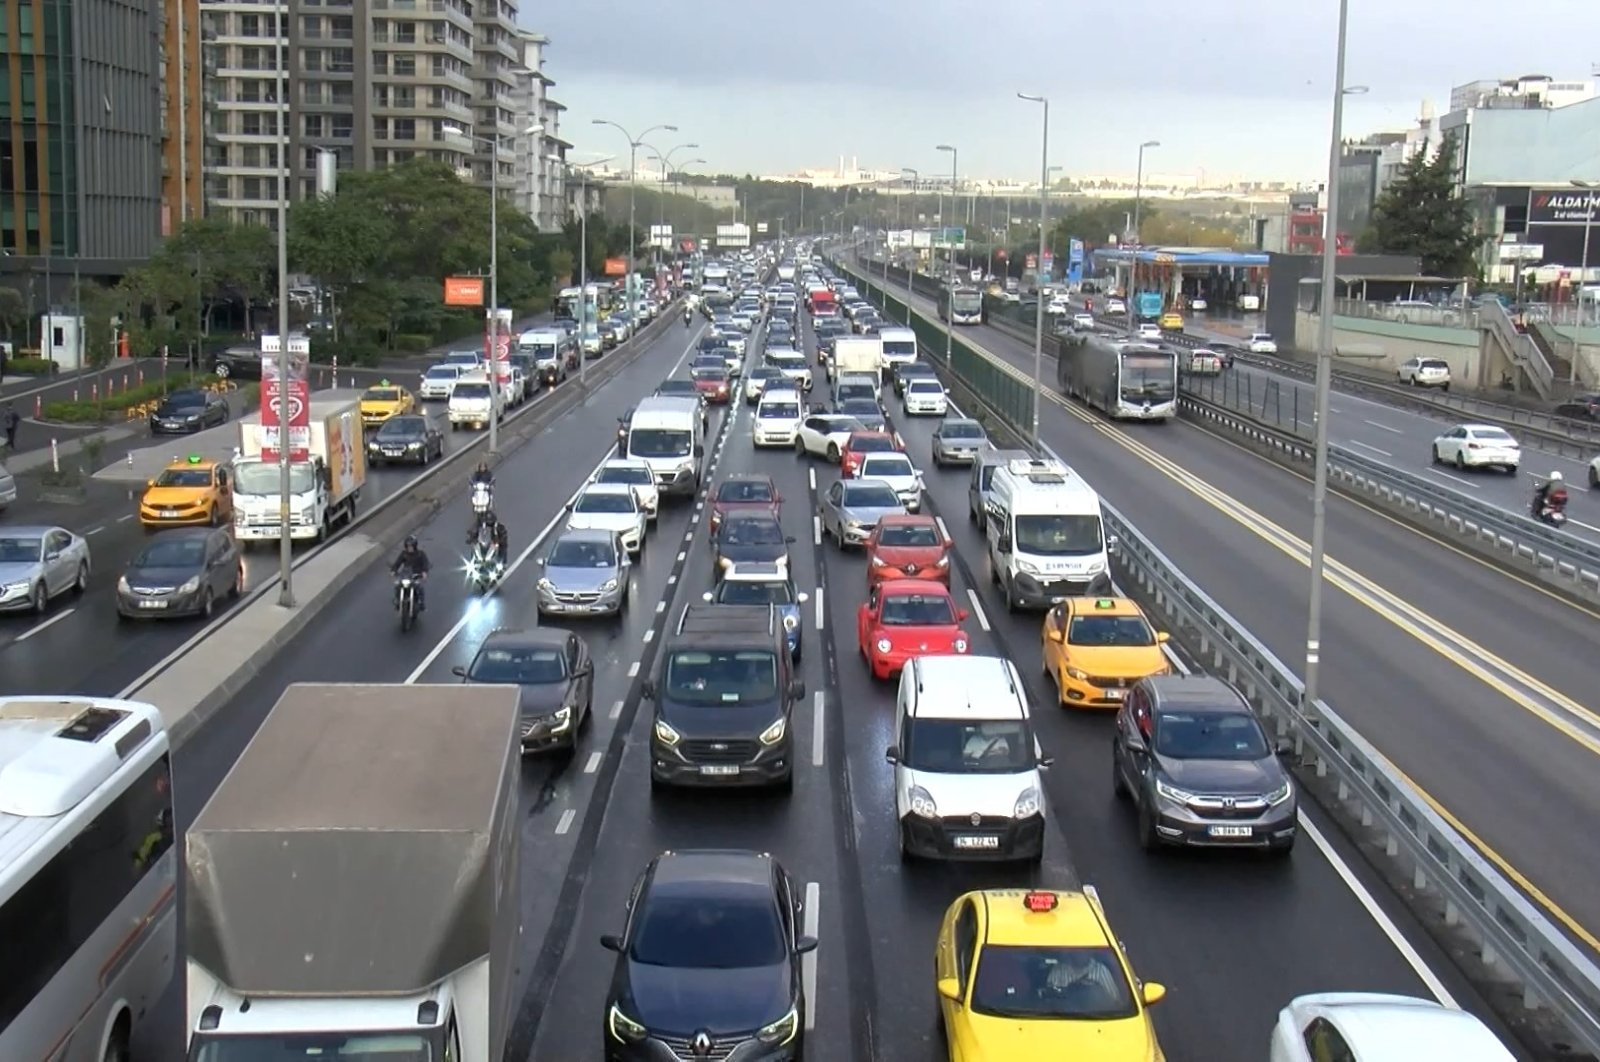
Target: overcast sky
(1237,87)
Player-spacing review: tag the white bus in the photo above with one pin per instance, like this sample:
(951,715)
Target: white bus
(88,876)
(1124,380)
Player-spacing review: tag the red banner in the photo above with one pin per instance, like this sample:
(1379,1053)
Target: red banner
(497,344)
(284,385)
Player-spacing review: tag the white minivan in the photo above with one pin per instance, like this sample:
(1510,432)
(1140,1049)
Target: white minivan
(777,419)
(1045,534)
(471,402)
(667,434)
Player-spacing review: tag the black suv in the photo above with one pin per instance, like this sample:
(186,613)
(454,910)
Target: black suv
(724,697)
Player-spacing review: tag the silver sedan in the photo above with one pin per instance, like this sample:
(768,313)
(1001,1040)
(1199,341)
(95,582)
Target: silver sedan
(38,564)
(851,509)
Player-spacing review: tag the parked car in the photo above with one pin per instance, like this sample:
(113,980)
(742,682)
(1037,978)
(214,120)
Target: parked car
(1424,372)
(187,411)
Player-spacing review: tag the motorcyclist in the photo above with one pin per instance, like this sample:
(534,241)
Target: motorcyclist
(1552,493)
(412,561)
(687,315)
(497,528)
(482,474)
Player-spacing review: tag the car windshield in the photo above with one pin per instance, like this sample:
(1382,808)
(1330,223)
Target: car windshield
(1086,984)
(745,490)
(865,495)
(712,931)
(177,553)
(778,411)
(470,390)
(908,535)
(861,407)
(324,1046)
(1110,630)
(766,372)
(185,477)
(886,467)
(402,428)
(713,375)
(1210,736)
(442,372)
(738,592)
(260,477)
(526,666)
(962,431)
(20,550)
(604,501)
(716,676)
(917,610)
(582,553)
(786,359)
(1058,536)
(625,474)
(382,394)
(869,444)
(682,388)
(658,442)
(747,532)
(858,392)
(964,746)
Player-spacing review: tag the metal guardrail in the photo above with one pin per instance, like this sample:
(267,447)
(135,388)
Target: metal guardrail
(1511,938)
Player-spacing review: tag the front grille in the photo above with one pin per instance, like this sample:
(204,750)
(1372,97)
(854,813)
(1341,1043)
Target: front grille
(1104,683)
(153,591)
(1211,807)
(964,823)
(577,597)
(717,750)
(683,1047)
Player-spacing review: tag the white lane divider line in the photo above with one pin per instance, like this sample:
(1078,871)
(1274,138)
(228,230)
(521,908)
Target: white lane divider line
(1454,479)
(943,530)
(616,708)
(566,821)
(45,624)
(125,519)
(1369,446)
(808,961)
(811,474)
(594,762)
(633,671)
(821,612)
(816,530)
(818,709)
(977,609)
(650,634)
(94,530)
(661,606)
(682,554)
(671,579)
(1383,427)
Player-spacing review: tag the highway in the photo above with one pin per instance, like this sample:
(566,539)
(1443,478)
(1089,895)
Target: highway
(1473,681)
(1234,936)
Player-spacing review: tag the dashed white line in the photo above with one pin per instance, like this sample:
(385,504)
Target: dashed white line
(943,530)
(816,530)
(1383,427)
(699,505)
(671,579)
(661,606)
(594,762)
(821,612)
(616,708)
(817,728)
(1369,446)
(94,530)
(566,821)
(811,474)
(683,553)
(1454,479)
(125,519)
(808,962)
(650,634)
(45,624)
(633,671)
(977,609)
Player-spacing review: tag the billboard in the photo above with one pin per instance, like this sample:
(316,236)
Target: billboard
(616,267)
(1074,260)
(284,386)
(661,236)
(463,291)
(688,245)
(1563,206)
(952,237)
(497,342)
(761,227)
(733,235)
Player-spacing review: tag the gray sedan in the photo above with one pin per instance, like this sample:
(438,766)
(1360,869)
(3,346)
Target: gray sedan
(957,441)
(852,508)
(39,563)
(182,571)
(586,573)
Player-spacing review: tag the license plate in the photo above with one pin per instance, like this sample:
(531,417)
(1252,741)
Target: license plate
(394,453)
(169,514)
(720,770)
(1229,831)
(1115,695)
(152,604)
(974,841)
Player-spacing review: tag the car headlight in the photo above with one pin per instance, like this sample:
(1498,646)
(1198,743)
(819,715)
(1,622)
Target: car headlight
(14,588)
(190,585)
(372,446)
(884,645)
(561,717)
(922,804)
(724,563)
(122,586)
(623,1028)
(781,1031)
(666,735)
(877,562)
(1280,794)
(774,733)
(1168,791)
(1078,673)
(1094,567)
(1027,568)
(960,645)
(1027,804)
(547,586)
(790,622)
(609,585)
(414,445)
(944,562)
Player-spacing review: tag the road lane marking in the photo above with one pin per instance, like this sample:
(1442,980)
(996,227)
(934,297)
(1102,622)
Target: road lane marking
(45,624)
(125,519)
(650,634)
(977,609)
(1383,427)
(633,671)
(95,530)
(821,614)
(808,961)
(616,708)
(566,821)
(682,555)
(661,606)
(818,711)
(1454,479)
(594,762)
(811,474)
(816,530)
(1369,446)
(671,579)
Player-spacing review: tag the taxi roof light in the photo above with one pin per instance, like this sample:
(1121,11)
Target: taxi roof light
(1104,602)
(1039,902)
(195,459)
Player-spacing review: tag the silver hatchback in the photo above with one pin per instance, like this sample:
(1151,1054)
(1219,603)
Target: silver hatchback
(586,573)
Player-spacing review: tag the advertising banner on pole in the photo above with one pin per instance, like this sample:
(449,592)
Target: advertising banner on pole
(1563,206)
(285,397)
(497,342)
(1074,260)
(733,236)
(463,291)
(616,267)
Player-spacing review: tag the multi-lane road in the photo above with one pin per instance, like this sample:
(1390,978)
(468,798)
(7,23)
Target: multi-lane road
(1233,936)
(1473,681)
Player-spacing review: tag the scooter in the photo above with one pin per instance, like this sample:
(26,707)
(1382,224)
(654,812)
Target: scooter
(1550,509)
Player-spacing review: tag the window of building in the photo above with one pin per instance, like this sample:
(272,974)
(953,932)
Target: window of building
(405,129)
(404,66)
(314,125)
(343,128)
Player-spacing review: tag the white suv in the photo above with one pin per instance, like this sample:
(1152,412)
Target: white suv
(1262,343)
(1425,372)
(777,419)
(966,762)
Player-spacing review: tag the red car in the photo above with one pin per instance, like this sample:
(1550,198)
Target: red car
(905,618)
(860,443)
(713,385)
(745,492)
(908,547)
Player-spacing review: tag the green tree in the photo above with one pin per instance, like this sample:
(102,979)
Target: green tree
(206,263)
(1422,213)
(13,311)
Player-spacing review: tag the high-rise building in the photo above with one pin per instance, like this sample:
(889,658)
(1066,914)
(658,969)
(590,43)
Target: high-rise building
(541,152)
(183,109)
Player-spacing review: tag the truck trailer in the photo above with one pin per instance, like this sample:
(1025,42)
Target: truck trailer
(352,883)
(856,354)
(324,488)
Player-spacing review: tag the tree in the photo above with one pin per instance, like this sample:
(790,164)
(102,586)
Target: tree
(207,263)
(1422,213)
(13,311)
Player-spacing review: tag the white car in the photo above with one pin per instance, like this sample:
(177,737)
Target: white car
(777,419)
(1083,322)
(1116,306)
(471,402)
(792,364)
(824,434)
(1424,372)
(438,382)
(756,381)
(1262,343)
(1377,1027)
(897,471)
(1478,446)
(735,340)
(1594,476)
(1197,304)
(611,507)
(636,474)
(925,396)
(1057,307)
(1149,330)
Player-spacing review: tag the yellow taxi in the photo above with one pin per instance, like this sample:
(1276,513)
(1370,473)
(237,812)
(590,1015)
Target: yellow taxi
(1035,974)
(191,492)
(385,400)
(1172,322)
(1096,647)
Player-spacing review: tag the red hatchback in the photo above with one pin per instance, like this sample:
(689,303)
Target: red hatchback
(861,443)
(745,492)
(908,547)
(713,385)
(906,618)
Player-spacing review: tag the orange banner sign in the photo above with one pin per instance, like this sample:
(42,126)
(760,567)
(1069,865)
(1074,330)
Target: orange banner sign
(616,267)
(463,291)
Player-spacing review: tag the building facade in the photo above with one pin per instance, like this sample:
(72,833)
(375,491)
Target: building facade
(183,109)
(541,153)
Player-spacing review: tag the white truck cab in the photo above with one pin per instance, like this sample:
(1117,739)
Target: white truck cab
(899,347)
(1046,538)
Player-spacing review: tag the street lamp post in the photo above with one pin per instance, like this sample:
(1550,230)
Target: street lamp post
(1583,267)
(634,143)
(583,253)
(661,196)
(951,251)
(1044,210)
(1133,265)
(285,543)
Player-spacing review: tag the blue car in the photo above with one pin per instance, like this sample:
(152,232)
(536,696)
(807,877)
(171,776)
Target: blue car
(762,583)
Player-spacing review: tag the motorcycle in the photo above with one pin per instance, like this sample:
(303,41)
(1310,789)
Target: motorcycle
(405,601)
(482,498)
(1550,509)
(486,567)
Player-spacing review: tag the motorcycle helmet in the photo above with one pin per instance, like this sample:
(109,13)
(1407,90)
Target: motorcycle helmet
(1555,477)
(410,543)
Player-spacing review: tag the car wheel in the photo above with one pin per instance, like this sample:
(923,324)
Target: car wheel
(208,603)
(81,583)
(237,589)
(41,598)
(1438,458)
(221,370)
(906,855)
(799,446)
(833,452)
(1594,478)
(1461,462)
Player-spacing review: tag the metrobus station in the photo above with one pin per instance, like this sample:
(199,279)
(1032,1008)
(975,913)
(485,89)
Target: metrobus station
(1183,274)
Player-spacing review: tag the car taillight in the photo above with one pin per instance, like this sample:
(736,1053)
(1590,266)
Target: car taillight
(1472,446)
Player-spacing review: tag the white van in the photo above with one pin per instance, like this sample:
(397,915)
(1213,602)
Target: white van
(777,419)
(666,433)
(966,762)
(471,401)
(899,347)
(1045,535)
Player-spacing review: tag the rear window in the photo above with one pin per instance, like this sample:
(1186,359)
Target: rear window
(885,466)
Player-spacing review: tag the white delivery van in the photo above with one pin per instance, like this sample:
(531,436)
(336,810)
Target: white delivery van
(1046,538)
(471,402)
(899,347)
(667,434)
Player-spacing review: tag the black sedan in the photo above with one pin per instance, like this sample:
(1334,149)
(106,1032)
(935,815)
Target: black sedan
(188,411)
(709,965)
(749,538)
(409,438)
(555,674)
(182,571)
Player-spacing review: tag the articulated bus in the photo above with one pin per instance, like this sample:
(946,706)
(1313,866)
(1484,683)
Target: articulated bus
(1124,380)
(961,305)
(88,875)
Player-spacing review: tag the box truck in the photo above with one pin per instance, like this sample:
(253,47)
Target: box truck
(324,488)
(856,354)
(352,883)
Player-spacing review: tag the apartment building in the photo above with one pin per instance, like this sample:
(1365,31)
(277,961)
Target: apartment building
(541,153)
(183,108)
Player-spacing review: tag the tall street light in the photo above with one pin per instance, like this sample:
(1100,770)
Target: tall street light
(1138,199)
(661,197)
(678,171)
(285,543)
(583,251)
(634,143)
(495,397)
(1044,210)
(955,156)
(1583,266)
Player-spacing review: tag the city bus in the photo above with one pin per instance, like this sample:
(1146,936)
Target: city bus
(961,305)
(88,881)
(1124,380)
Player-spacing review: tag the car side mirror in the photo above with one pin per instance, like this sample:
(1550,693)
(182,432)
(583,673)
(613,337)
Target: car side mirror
(706,597)
(1003,546)
(541,562)
(1112,542)
(149,482)
(568,507)
(1153,993)
(802,598)
(1162,637)
(459,671)
(1055,634)
(647,689)
(950,989)
(962,614)
(797,688)
(804,945)
(611,942)
(892,754)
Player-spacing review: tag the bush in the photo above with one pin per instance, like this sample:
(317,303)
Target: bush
(31,367)
(115,406)
(412,343)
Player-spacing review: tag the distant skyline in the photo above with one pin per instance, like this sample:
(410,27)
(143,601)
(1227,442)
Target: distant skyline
(1240,91)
